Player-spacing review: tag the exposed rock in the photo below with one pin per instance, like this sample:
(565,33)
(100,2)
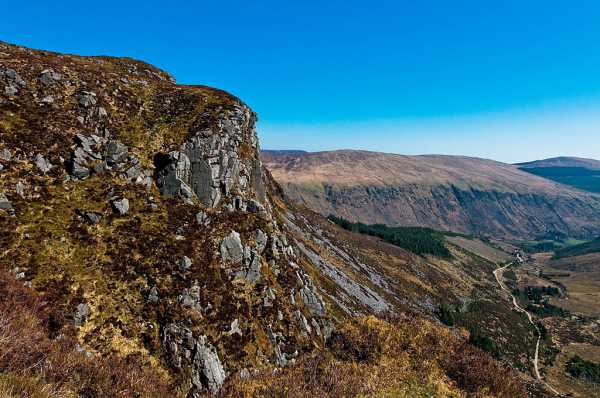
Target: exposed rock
(5,204)
(312,300)
(255,207)
(304,326)
(171,178)
(5,155)
(87,99)
(235,328)
(153,295)
(49,77)
(251,269)
(261,241)
(115,152)
(91,217)
(207,370)
(190,298)
(185,263)
(15,81)
(120,206)
(202,218)
(232,249)
(81,314)
(42,163)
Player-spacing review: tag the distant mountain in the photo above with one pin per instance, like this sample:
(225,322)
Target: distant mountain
(457,193)
(562,161)
(577,172)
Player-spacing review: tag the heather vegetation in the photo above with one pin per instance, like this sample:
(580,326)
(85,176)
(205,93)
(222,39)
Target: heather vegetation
(418,240)
(40,356)
(402,357)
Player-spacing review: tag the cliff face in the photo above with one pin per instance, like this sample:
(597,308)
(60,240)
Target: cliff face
(138,212)
(465,195)
(138,207)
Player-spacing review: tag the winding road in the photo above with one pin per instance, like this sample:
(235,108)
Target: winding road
(498,274)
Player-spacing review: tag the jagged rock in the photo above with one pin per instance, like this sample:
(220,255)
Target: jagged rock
(48,99)
(235,328)
(190,298)
(232,249)
(304,326)
(115,152)
(202,218)
(172,177)
(316,327)
(90,217)
(312,300)
(83,155)
(42,163)
(184,263)
(120,206)
(87,99)
(207,369)
(81,314)
(269,297)
(261,241)
(14,80)
(251,269)
(153,295)
(49,77)
(79,171)
(279,357)
(5,204)
(255,207)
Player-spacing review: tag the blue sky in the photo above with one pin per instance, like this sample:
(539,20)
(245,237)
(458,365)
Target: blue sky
(510,80)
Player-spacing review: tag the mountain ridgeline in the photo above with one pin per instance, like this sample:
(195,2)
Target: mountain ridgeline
(452,193)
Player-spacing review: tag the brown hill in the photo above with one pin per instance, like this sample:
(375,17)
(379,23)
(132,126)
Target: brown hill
(461,194)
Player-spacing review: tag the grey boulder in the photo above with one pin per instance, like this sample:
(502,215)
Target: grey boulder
(115,152)
(232,249)
(120,206)
(42,163)
(5,204)
(207,369)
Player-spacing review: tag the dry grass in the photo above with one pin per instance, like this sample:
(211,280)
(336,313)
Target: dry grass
(405,357)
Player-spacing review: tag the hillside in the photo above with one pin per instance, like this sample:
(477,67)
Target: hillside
(580,173)
(146,252)
(562,161)
(462,194)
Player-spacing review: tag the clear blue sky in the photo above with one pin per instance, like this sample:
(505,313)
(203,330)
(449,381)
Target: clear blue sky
(510,80)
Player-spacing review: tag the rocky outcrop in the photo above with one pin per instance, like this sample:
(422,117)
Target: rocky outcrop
(209,165)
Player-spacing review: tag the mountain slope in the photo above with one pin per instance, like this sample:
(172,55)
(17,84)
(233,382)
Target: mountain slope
(461,194)
(577,172)
(145,251)
(562,161)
